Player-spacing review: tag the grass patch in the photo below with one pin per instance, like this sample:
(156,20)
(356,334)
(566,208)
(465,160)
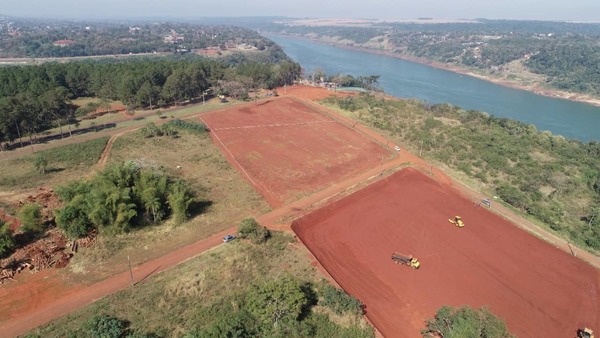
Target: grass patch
(64,164)
(204,290)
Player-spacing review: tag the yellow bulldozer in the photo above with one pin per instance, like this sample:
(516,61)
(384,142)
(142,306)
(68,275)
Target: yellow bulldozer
(406,260)
(585,333)
(457,221)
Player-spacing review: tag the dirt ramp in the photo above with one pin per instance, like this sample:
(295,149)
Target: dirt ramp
(537,289)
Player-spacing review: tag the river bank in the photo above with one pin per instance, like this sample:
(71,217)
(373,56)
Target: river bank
(535,88)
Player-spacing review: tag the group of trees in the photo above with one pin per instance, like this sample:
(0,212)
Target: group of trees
(556,180)
(120,198)
(35,98)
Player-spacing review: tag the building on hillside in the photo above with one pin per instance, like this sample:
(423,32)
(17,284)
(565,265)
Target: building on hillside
(173,38)
(63,43)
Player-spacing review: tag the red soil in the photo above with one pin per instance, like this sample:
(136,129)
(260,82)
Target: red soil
(536,288)
(287,149)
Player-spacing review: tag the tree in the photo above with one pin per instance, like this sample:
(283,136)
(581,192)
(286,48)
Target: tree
(465,322)
(180,199)
(130,111)
(278,301)
(30,216)
(41,164)
(7,241)
(73,218)
(250,229)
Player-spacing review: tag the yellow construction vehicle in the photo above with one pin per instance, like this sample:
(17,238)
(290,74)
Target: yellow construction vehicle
(406,260)
(457,221)
(585,333)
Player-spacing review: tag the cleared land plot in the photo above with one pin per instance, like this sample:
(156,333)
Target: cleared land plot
(536,288)
(288,150)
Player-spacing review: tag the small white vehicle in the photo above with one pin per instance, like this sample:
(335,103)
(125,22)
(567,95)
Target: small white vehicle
(228,238)
(397,148)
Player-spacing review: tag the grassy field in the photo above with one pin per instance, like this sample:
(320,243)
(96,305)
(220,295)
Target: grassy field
(227,199)
(64,164)
(195,294)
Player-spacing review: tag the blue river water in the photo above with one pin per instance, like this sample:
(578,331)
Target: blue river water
(405,79)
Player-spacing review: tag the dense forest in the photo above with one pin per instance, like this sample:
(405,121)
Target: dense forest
(36,98)
(566,55)
(555,180)
(52,38)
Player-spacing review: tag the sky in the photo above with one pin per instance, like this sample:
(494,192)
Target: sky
(570,10)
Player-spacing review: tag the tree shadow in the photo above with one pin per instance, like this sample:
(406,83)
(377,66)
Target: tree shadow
(312,299)
(54,170)
(199,207)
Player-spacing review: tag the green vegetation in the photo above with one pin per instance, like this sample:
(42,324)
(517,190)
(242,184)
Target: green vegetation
(250,229)
(235,290)
(84,153)
(121,197)
(152,130)
(7,241)
(548,177)
(193,127)
(278,302)
(339,301)
(465,322)
(41,164)
(30,216)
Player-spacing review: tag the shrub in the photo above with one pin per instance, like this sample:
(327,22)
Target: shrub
(104,326)
(253,231)
(30,216)
(7,241)
(41,164)
(339,301)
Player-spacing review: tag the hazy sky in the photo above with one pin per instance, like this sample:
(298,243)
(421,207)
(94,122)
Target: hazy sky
(586,10)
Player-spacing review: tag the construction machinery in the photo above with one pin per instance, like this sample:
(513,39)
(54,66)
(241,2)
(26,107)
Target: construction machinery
(457,221)
(585,333)
(407,260)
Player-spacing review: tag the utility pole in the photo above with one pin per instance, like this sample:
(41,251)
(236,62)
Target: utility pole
(130,271)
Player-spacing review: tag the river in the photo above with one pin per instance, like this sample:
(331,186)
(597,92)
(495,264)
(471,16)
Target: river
(406,79)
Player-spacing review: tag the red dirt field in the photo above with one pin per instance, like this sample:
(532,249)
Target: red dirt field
(537,289)
(287,149)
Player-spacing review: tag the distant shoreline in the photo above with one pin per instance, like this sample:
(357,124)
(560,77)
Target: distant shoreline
(536,89)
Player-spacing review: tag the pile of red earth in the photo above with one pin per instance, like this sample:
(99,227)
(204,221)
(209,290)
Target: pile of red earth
(12,222)
(49,250)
